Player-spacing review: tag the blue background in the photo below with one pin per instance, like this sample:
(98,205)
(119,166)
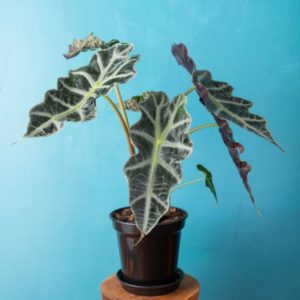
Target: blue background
(56,240)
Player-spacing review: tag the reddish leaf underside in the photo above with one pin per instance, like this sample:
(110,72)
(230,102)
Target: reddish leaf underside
(181,55)
(235,149)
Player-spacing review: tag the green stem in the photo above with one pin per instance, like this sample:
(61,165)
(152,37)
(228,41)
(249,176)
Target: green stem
(188,91)
(125,128)
(193,130)
(179,186)
(121,104)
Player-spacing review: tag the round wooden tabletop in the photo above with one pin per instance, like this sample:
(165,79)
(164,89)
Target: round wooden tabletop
(189,289)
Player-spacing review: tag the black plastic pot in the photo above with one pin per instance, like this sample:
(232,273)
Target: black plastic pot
(150,267)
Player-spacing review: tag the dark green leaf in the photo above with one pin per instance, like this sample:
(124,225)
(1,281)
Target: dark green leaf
(75,96)
(162,138)
(208,180)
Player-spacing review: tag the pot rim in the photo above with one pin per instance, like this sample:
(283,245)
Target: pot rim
(158,224)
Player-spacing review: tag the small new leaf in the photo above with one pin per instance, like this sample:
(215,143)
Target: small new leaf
(132,104)
(208,180)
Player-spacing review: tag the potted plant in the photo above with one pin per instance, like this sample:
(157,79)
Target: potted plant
(148,230)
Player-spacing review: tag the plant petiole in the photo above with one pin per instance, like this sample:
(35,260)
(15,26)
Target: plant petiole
(188,91)
(179,186)
(125,128)
(195,129)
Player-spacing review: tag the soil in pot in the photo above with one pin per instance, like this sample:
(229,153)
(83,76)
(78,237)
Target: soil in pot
(126,215)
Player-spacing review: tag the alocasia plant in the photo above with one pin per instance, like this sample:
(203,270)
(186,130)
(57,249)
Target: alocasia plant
(161,136)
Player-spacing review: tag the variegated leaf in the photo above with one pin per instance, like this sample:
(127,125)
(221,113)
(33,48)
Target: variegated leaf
(75,96)
(162,138)
(218,99)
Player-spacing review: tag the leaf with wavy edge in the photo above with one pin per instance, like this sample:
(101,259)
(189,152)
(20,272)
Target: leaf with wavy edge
(91,42)
(217,98)
(235,149)
(182,57)
(162,138)
(75,96)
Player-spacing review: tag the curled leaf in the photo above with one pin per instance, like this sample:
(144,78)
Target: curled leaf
(75,96)
(132,104)
(181,55)
(208,180)
(235,149)
(162,139)
(91,42)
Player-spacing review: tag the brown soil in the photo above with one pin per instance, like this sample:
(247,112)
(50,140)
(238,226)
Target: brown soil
(127,216)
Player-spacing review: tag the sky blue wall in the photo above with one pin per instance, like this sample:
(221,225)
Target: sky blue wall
(56,241)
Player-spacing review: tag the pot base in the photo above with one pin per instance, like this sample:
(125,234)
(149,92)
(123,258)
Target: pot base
(151,290)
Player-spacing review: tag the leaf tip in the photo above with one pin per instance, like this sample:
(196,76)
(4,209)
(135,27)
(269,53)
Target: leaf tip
(180,53)
(258,211)
(67,56)
(280,148)
(18,141)
(140,239)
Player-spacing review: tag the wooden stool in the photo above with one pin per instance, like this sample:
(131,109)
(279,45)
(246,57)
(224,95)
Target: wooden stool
(111,289)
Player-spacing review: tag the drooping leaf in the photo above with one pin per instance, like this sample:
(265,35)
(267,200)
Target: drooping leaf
(161,136)
(75,96)
(217,98)
(208,180)
(91,42)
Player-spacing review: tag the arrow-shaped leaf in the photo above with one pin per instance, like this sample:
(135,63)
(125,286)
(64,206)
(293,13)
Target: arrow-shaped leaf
(162,138)
(208,180)
(217,98)
(75,96)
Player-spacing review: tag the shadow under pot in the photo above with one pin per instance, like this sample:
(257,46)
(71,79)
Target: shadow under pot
(149,268)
